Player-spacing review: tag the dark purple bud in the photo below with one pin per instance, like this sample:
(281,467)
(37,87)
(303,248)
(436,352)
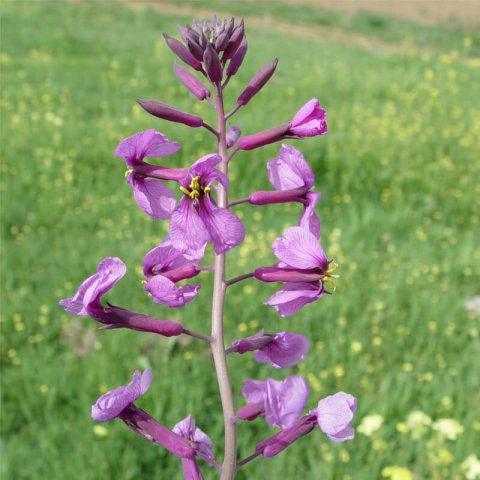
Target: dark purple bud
(193,34)
(191,82)
(274,274)
(161,110)
(142,423)
(278,196)
(116,317)
(237,59)
(195,49)
(263,138)
(250,344)
(182,52)
(235,41)
(257,82)
(222,41)
(250,411)
(233,134)
(182,32)
(212,65)
(229,26)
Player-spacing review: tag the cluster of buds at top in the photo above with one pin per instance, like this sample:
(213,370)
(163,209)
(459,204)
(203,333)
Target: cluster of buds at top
(208,46)
(196,204)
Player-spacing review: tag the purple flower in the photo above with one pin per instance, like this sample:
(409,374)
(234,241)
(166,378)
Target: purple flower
(303,267)
(202,443)
(163,267)
(292,178)
(282,403)
(335,415)
(86,302)
(111,404)
(197,220)
(280,350)
(309,121)
(151,195)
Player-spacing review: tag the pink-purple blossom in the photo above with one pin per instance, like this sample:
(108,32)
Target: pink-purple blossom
(282,402)
(335,416)
(163,267)
(293,179)
(150,193)
(111,404)
(280,350)
(303,267)
(87,302)
(197,220)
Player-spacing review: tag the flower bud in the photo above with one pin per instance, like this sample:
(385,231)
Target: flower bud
(191,82)
(233,134)
(182,52)
(169,113)
(222,41)
(257,82)
(237,59)
(278,196)
(235,41)
(195,49)
(212,65)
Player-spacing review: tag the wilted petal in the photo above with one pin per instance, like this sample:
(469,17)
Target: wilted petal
(188,232)
(335,415)
(225,228)
(309,219)
(284,351)
(299,248)
(109,272)
(290,170)
(152,196)
(293,296)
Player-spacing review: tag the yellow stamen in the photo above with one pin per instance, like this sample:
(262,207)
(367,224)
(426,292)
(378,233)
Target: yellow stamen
(185,191)
(128,171)
(206,190)
(329,281)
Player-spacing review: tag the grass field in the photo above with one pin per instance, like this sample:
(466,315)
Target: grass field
(400,181)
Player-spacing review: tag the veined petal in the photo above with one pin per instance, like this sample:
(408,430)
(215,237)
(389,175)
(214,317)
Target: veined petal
(290,170)
(188,232)
(165,292)
(225,228)
(293,296)
(162,258)
(284,351)
(299,248)
(309,219)
(205,169)
(153,197)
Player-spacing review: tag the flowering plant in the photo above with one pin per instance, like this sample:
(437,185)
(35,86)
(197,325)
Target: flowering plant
(203,215)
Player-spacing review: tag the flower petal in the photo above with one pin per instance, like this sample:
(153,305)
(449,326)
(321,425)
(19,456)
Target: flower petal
(290,170)
(309,219)
(165,292)
(299,248)
(225,228)
(152,196)
(293,296)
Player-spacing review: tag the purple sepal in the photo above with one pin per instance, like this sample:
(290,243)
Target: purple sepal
(267,197)
(191,82)
(111,404)
(142,423)
(162,173)
(166,112)
(233,134)
(309,121)
(191,470)
(115,317)
(237,59)
(276,274)
(335,416)
(182,52)
(280,441)
(249,344)
(262,138)
(212,64)
(250,411)
(257,82)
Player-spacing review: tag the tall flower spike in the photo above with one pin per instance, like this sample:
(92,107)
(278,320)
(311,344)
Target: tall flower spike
(282,403)
(151,195)
(86,302)
(197,220)
(163,267)
(280,350)
(303,267)
(293,180)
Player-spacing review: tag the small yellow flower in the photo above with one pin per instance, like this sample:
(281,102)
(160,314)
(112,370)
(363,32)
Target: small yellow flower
(448,428)
(370,424)
(471,467)
(397,473)
(100,431)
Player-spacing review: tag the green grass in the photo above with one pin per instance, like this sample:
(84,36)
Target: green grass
(399,176)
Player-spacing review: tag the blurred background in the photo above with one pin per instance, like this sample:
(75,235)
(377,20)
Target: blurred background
(399,176)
